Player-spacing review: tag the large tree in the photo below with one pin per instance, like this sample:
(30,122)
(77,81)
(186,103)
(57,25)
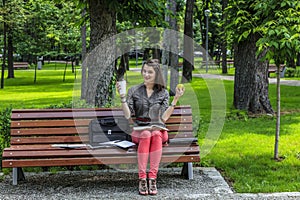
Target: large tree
(174,46)
(251,78)
(101,61)
(101,64)
(188,46)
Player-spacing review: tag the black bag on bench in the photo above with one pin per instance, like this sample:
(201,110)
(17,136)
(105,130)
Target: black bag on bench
(109,129)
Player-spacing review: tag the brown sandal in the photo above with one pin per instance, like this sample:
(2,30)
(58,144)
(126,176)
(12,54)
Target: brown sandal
(143,189)
(152,187)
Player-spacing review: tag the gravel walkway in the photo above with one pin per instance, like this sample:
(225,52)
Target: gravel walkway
(111,184)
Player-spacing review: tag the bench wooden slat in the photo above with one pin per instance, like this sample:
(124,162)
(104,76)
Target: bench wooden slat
(44,147)
(93,161)
(82,130)
(84,138)
(80,122)
(47,131)
(86,152)
(63,114)
(81,109)
(48,140)
(49,123)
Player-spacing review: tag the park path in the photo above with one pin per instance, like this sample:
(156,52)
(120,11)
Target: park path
(231,78)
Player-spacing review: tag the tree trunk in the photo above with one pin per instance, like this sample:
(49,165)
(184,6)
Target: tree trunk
(154,36)
(298,59)
(10,57)
(165,58)
(224,43)
(276,146)
(4,52)
(251,79)
(174,54)
(146,55)
(188,46)
(122,67)
(83,54)
(101,60)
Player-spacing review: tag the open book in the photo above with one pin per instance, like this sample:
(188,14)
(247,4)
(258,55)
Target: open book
(150,127)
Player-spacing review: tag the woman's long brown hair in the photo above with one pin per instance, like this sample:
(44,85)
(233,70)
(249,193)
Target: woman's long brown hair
(159,80)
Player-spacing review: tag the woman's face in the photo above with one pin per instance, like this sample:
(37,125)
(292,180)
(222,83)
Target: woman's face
(148,74)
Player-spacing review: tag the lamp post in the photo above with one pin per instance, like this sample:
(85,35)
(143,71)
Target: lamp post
(206,12)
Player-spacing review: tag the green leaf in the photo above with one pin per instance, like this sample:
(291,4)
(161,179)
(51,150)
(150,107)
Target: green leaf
(271,32)
(282,44)
(283,4)
(275,44)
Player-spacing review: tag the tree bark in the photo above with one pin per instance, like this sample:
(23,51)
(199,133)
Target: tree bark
(174,54)
(188,48)
(10,57)
(224,43)
(4,52)
(298,59)
(251,79)
(101,61)
(83,54)
(165,58)
(276,146)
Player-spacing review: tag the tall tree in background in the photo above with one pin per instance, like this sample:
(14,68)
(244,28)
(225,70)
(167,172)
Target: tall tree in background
(100,73)
(224,40)
(83,54)
(170,45)
(188,48)
(12,11)
(174,54)
(251,77)
(4,45)
(165,58)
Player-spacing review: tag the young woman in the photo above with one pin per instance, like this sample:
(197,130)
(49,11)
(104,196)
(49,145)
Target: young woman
(149,102)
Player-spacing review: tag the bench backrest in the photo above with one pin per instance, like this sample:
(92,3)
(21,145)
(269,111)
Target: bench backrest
(54,126)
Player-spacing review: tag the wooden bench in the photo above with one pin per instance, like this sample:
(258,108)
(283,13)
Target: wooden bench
(273,69)
(34,131)
(21,65)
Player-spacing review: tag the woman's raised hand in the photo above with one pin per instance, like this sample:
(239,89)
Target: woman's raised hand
(179,90)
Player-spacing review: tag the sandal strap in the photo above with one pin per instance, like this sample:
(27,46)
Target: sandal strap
(152,185)
(143,189)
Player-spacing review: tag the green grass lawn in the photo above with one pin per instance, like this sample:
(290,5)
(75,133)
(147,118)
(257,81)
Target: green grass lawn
(244,150)
(49,88)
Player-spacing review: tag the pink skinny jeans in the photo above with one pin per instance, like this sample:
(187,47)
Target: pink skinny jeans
(149,147)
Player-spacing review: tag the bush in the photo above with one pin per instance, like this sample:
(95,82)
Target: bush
(290,72)
(4,129)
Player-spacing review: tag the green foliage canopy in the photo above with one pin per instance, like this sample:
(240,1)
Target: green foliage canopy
(280,29)
(277,22)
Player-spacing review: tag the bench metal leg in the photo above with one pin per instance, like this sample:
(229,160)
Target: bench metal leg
(18,175)
(187,170)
